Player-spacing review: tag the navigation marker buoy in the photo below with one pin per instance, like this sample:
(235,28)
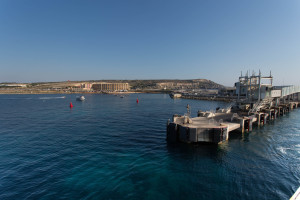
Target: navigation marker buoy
(71,105)
(137,100)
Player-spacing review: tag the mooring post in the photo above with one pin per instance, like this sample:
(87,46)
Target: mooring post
(242,124)
(258,119)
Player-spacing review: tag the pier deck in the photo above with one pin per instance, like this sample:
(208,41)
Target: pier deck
(204,122)
(215,127)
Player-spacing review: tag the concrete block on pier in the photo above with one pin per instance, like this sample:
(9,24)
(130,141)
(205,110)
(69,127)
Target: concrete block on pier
(201,129)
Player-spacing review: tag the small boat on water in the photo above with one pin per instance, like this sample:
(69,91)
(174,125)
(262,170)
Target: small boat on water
(175,95)
(81,98)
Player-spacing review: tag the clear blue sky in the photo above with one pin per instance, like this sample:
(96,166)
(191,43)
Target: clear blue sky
(154,39)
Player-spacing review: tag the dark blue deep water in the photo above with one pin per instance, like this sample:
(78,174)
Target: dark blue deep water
(113,148)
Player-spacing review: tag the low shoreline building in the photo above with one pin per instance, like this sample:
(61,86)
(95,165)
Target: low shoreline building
(110,87)
(86,86)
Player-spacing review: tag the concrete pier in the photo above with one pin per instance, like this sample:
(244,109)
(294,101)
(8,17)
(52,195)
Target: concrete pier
(214,127)
(257,102)
(201,129)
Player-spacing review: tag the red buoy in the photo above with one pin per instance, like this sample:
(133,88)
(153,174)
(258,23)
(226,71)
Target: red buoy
(137,100)
(71,105)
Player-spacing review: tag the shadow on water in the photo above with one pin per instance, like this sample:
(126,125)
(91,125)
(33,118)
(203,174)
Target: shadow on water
(197,151)
(235,136)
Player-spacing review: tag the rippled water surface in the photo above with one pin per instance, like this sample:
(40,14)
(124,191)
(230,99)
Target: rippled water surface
(113,148)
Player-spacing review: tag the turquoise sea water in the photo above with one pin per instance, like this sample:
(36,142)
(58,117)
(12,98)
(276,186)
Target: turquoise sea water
(113,148)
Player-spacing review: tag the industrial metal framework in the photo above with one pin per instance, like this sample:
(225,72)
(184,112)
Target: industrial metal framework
(251,86)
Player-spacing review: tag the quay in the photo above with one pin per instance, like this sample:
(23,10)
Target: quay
(256,105)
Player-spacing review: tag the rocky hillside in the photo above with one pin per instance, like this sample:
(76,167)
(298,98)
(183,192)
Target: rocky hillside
(174,84)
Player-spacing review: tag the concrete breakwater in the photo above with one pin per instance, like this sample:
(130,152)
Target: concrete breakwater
(255,102)
(215,126)
(209,98)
